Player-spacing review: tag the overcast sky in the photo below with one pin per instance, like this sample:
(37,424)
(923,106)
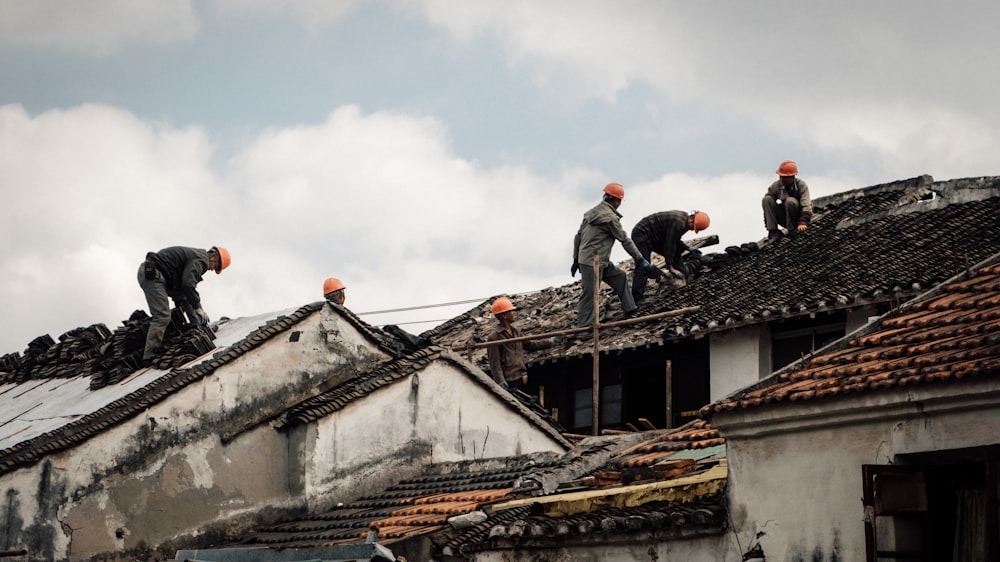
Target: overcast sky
(439,150)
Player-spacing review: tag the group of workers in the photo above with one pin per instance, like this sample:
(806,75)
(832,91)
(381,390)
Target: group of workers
(176,271)
(786,204)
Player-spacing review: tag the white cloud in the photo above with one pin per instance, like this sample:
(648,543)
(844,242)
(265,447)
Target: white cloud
(895,85)
(96,26)
(378,200)
(313,15)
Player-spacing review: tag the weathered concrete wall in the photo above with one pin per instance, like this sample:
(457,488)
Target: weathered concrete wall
(731,353)
(438,415)
(795,470)
(199,459)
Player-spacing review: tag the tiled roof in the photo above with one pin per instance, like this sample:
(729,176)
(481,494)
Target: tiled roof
(882,243)
(330,400)
(144,391)
(412,507)
(672,480)
(675,478)
(948,334)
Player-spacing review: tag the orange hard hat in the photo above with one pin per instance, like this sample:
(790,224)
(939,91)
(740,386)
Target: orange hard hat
(332,284)
(788,168)
(501,305)
(701,221)
(224,258)
(615,190)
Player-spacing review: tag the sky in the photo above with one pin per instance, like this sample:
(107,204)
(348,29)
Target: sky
(432,151)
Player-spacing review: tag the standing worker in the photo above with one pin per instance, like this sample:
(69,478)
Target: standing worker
(333,291)
(787,202)
(175,272)
(600,228)
(507,359)
(661,232)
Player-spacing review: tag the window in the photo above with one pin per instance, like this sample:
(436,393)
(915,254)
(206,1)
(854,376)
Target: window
(792,339)
(936,507)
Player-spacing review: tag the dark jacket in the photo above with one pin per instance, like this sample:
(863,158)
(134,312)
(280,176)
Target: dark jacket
(182,268)
(507,359)
(662,231)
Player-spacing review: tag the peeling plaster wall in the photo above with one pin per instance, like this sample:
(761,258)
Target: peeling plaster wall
(803,487)
(730,354)
(438,415)
(168,473)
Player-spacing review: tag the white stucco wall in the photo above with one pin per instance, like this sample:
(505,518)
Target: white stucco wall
(166,473)
(795,469)
(730,355)
(438,415)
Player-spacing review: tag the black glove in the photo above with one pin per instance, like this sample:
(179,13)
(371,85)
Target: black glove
(573,269)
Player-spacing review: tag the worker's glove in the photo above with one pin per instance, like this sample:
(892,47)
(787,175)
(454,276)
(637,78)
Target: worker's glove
(574,268)
(644,265)
(677,274)
(200,317)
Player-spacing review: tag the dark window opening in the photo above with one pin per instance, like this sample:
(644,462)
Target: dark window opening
(936,507)
(792,339)
(634,389)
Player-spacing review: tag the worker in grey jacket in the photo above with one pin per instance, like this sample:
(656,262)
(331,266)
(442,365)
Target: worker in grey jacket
(600,228)
(787,202)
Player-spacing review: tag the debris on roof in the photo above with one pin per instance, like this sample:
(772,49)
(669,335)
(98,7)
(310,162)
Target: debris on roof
(885,243)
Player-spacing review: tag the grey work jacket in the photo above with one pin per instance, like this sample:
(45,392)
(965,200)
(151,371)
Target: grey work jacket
(600,228)
(798,190)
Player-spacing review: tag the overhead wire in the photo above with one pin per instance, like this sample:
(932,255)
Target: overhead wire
(428,306)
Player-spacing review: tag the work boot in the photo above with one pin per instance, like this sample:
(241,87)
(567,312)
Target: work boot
(774,235)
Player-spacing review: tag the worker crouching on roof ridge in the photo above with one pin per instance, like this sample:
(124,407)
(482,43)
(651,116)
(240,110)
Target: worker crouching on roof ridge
(507,359)
(600,228)
(333,291)
(661,233)
(787,202)
(174,273)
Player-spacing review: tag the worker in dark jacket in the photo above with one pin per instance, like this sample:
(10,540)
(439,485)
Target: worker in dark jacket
(600,228)
(787,202)
(661,233)
(507,359)
(175,272)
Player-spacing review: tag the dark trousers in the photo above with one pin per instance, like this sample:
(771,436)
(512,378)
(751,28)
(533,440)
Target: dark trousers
(777,213)
(159,309)
(610,275)
(639,276)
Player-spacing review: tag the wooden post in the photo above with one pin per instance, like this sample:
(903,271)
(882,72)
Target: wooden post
(597,335)
(670,395)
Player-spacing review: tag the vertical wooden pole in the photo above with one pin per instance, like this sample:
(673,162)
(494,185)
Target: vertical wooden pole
(670,395)
(596,401)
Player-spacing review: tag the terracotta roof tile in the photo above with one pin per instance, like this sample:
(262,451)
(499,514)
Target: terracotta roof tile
(949,334)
